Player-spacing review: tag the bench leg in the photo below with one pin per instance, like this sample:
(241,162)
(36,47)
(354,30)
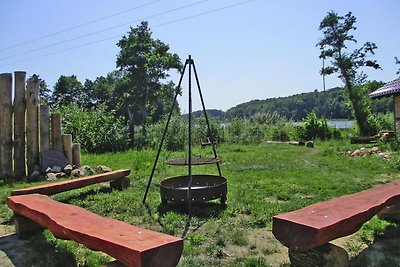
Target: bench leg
(120,183)
(25,227)
(323,256)
(391,213)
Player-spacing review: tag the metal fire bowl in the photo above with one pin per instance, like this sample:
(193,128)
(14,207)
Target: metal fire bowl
(203,188)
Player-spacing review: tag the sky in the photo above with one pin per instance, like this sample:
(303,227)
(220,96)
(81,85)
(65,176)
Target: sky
(242,49)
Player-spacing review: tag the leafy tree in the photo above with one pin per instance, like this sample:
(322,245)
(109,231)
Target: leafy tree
(397,62)
(144,90)
(67,90)
(336,30)
(44,91)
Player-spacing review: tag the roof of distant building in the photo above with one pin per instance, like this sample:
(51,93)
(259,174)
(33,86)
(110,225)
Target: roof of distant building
(391,88)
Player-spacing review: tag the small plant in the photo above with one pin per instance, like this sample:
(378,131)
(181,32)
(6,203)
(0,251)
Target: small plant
(239,239)
(196,239)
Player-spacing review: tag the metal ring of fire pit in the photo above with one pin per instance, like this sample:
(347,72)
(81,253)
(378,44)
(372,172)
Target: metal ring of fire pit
(204,188)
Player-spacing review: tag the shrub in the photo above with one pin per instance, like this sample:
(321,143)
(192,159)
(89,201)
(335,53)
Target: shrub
(315,128)
(96,129)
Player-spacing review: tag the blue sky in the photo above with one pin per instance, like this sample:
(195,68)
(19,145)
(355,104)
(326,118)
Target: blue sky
(243,50)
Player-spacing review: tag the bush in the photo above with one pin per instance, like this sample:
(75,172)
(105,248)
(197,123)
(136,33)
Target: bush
(314,128)
(96,129)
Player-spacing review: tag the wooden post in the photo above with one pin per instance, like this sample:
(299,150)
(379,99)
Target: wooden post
(396,100)
(44,135)
(67,146)
(32,130)
(76,154)
(19,125)
(56,141)
(6,125)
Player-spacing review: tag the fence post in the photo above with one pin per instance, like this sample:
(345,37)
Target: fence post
(44,135)
(32,130)
(6,125)
(67,147)
(56,141)
(76,154)
(19,124)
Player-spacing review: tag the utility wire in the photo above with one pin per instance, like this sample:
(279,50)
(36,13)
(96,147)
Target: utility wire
(116,36)
(104,30)
(78,26)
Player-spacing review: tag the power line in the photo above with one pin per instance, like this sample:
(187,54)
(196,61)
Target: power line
(116,36)
(104,30)
(79,26)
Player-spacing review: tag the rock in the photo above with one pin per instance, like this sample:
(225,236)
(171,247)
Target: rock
(77,173)
(310,144)
(391,213)
(51,176)
(87,169)
(68,169)
(60,175)
(103,168)
(57,169)
(52,158)
(375,150)
(35,176)
(48,170)
(327,255)
(355,153)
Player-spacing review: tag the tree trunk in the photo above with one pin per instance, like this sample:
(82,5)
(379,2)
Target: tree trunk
(56,141)
(67,147)
(19,125)
(6,125)
(32,130)
(44,128)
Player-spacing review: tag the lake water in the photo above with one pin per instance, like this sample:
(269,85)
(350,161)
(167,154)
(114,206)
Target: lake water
(341,124)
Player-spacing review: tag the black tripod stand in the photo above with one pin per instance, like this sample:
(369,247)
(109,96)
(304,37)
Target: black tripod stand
(188,63)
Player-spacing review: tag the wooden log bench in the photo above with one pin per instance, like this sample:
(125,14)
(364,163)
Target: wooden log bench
(128,244)
(310,229)
(116,178)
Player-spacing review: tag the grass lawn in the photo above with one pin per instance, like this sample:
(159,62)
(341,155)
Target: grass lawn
(263,180)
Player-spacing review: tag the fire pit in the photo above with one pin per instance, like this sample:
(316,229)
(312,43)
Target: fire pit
(204,188)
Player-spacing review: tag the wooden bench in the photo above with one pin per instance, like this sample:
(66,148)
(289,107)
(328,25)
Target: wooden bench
(317,224)
(128,244)
(117,179)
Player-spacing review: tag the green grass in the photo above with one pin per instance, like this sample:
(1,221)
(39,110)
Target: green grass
(263,180)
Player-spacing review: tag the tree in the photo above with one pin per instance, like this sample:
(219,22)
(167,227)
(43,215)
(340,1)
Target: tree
(44,91)
(146,62)
(397,62)
(336,30)
(67,90)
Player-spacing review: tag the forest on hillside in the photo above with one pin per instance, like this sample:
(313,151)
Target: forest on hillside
(331,103)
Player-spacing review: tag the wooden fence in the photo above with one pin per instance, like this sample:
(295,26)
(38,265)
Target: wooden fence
(27,128)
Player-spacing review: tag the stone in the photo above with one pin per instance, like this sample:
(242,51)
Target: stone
(77,173)
(56,169)
(35,176)
(327,255)
(375,149)
(52,158)
(103,168)
(60,174)
(310,144)
(51,176)
(390,213)
(355,153)
(87,169)
(68,169)
(48,170)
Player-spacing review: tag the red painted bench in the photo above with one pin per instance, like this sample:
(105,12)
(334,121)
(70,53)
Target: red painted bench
(128,244)
(317,224)
(57,187)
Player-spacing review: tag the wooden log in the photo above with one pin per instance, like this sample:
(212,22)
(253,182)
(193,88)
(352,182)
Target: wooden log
(128,244)
(44,135)
(6,126)
(58,187)
(76,155)
(56,141)
(327,255)
(67,147)
(322,222)
(32,125)
(19,125)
